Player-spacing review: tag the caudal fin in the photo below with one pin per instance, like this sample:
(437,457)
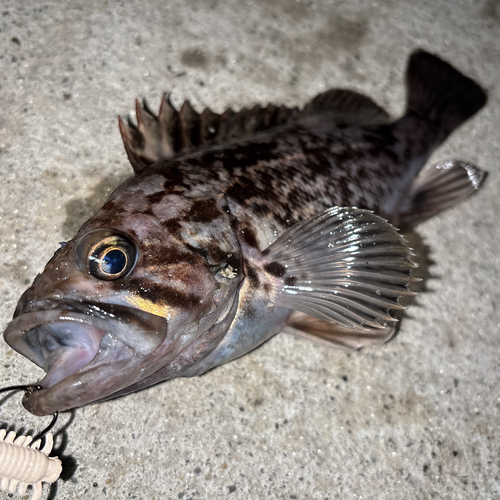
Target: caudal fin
(441,94)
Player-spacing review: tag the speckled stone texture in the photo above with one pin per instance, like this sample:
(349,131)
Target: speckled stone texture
(417,418)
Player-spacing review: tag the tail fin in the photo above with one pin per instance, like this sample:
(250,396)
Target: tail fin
(440,93)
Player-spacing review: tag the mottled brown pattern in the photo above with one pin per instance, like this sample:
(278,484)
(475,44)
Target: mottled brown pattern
(210,194)
(298,174)
(203,211)
(156,197)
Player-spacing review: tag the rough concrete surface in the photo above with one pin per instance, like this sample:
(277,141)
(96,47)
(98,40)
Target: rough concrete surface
(417,418)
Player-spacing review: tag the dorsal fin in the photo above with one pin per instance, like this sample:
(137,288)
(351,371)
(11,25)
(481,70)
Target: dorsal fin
(346,106)
(175,132)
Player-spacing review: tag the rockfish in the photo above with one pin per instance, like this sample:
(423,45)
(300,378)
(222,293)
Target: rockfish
(237,226)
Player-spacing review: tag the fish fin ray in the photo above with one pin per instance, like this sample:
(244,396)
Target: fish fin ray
(332,335)
(172,132)
(439,188)
(346,266)
(440,93)
(346,106)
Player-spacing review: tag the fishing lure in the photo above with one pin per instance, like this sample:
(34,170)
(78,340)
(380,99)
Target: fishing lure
(23,463)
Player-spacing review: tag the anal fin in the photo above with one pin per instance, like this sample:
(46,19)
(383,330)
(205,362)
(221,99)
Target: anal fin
(330,334)
(437,189)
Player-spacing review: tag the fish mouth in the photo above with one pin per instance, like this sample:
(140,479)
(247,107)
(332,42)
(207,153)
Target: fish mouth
(61,348)
(87,352)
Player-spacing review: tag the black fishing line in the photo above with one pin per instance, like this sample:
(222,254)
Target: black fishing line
(29,389)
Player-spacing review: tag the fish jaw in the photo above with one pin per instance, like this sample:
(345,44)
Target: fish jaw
(94,352)
(86,356)
(98,338)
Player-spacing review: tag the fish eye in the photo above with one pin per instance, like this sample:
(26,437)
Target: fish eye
(111,258)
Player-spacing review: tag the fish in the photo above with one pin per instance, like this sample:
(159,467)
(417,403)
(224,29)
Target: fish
(237,226)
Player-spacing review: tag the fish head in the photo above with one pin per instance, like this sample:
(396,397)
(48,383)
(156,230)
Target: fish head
(148,285)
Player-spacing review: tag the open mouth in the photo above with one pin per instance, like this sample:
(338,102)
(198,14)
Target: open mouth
(83,347)
(96,351)
(63,347)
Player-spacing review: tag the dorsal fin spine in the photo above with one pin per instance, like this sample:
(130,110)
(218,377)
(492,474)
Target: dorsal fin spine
(174,132)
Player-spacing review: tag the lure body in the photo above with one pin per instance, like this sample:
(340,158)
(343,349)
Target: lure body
(22,463)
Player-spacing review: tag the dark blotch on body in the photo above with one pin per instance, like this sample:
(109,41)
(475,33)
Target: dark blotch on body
(276,269)
(203,211)
(109,205)
(147,211)
(249,237)
(290,281)
(174,176)
(156,197)
(252,276)
(173,226)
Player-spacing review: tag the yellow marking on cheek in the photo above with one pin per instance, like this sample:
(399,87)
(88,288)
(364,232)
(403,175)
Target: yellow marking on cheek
(157,308)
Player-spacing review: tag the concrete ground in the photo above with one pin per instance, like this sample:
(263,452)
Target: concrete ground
(417,418)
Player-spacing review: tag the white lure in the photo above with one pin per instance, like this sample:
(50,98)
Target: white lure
(22,463)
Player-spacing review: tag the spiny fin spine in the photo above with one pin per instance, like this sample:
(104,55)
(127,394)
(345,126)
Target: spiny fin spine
(175,132)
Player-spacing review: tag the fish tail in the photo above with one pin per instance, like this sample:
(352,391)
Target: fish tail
(439,93)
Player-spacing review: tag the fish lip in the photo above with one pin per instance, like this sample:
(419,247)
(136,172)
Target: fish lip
(116,371)
(66,332)
(74,342)
(141,331)
(74,374)
(27,322)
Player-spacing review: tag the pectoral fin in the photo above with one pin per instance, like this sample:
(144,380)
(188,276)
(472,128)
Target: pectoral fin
(344,267)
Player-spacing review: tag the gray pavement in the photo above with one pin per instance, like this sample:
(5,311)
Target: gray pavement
(417,418)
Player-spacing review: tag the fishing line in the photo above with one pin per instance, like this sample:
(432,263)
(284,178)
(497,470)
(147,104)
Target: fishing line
(30,389)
